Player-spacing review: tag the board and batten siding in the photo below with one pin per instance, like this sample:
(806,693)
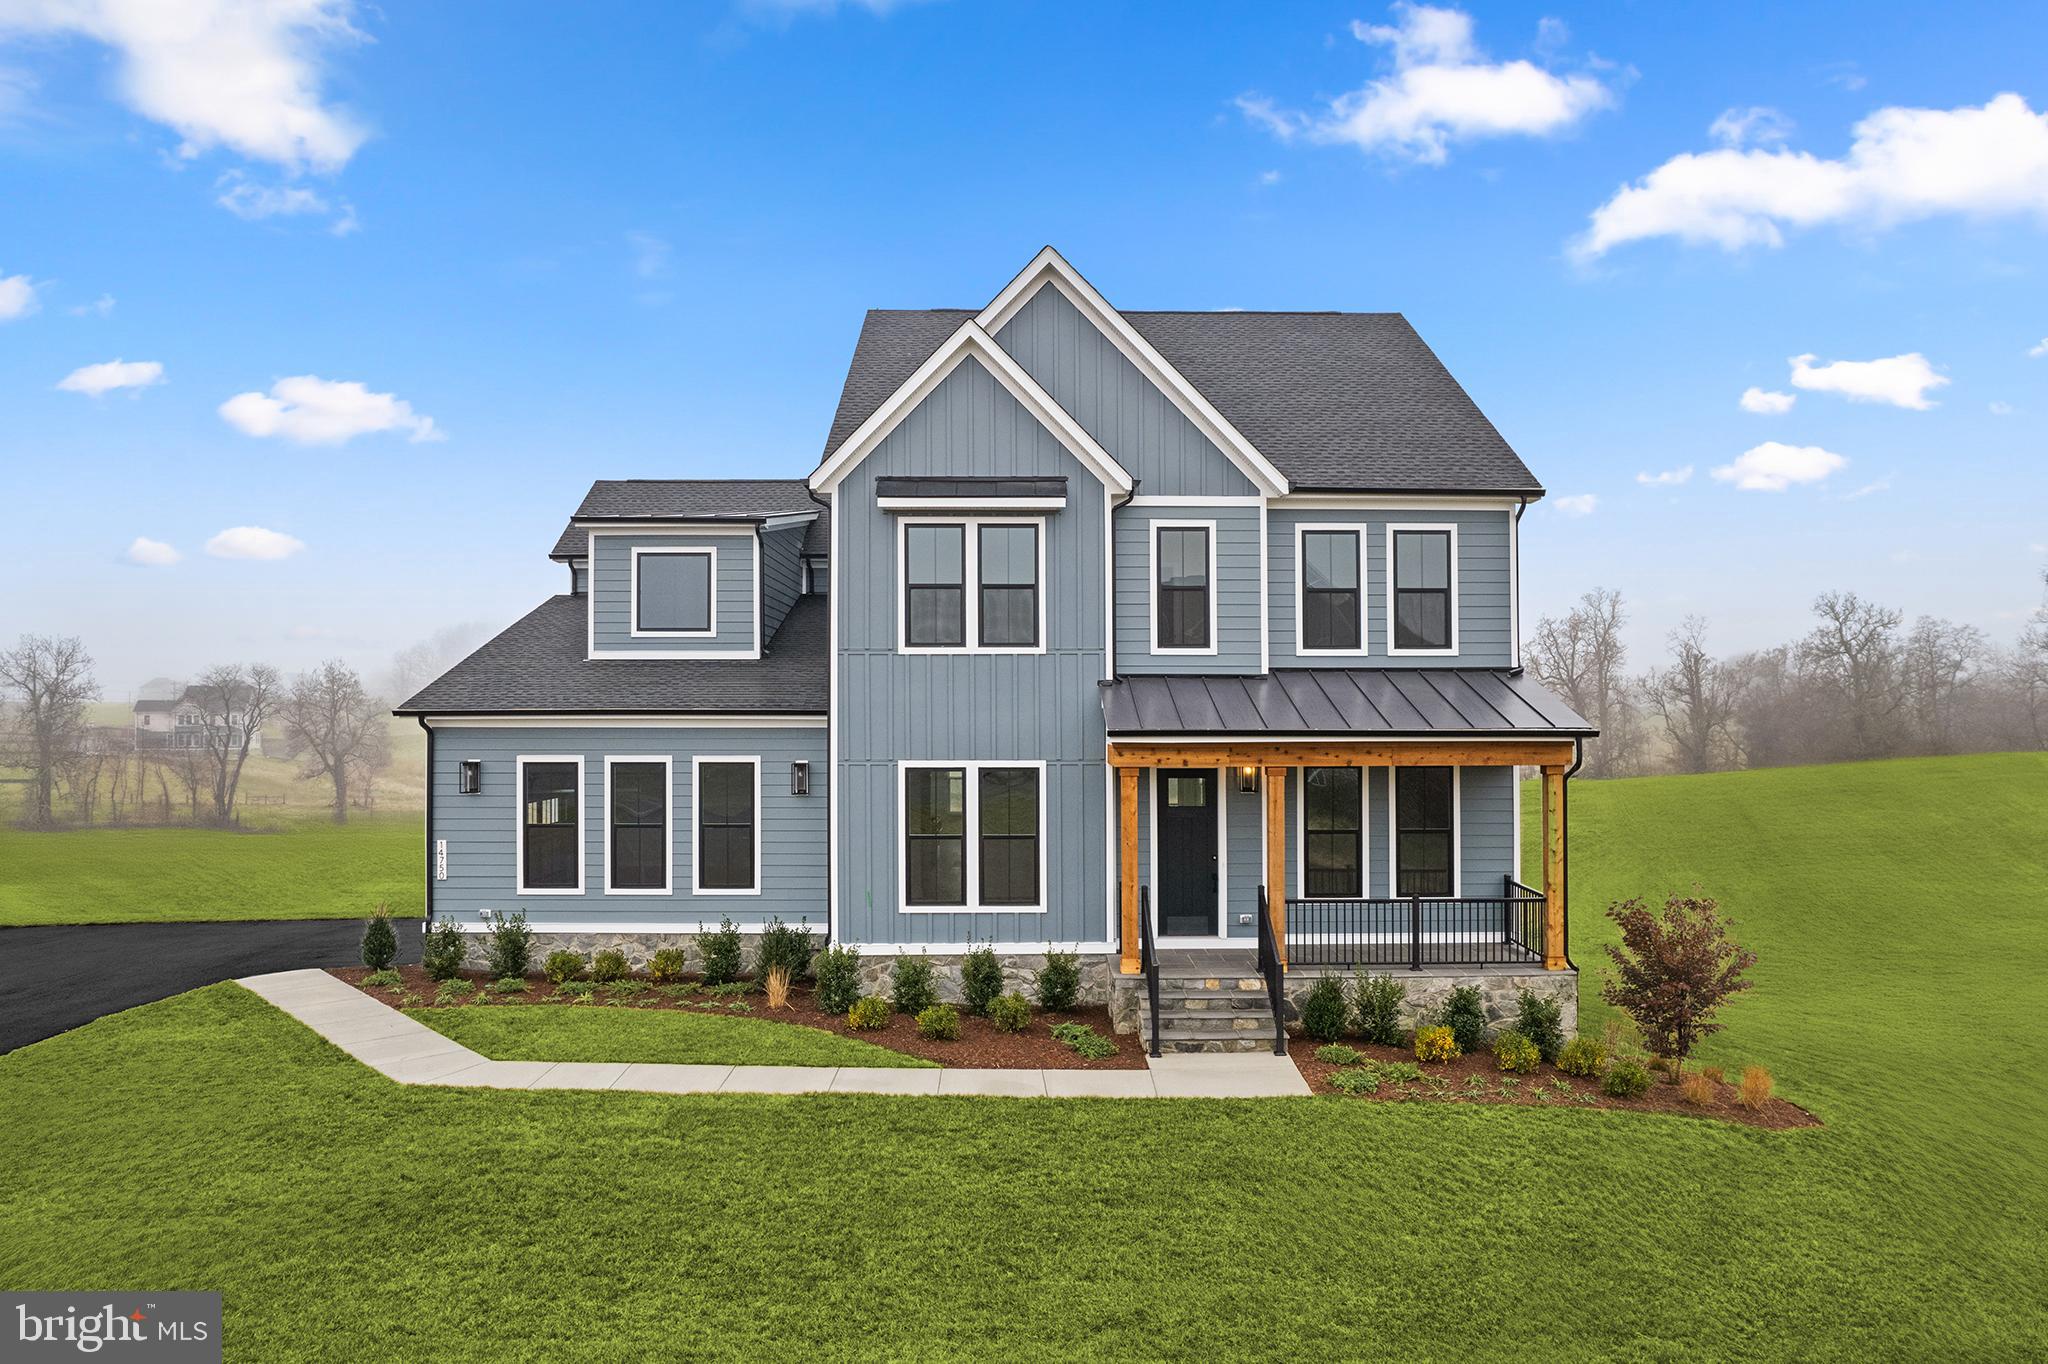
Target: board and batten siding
(782,575)
(611,600)
(1236,587)
(1126,412)
(969,707)
(479,829)
(1485,587)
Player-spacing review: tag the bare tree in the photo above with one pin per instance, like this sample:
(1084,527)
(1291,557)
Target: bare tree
(336,728)
(1580,657)
(2025,675)
(1853,657)
(49,681)
(1695,697)
(1939,668)
(418,664)
(234,701)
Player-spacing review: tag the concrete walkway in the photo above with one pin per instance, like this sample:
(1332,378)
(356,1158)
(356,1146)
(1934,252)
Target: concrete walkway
(414,1054)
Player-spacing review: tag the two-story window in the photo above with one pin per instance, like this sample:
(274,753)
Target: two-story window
(549,831)
(1422,589)
(971,836)
(1184,587)
(1425,831)
(674,592)
(973,584)
(1332,603)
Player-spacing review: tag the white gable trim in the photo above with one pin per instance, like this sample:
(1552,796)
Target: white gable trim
(970,342)
(1049,267)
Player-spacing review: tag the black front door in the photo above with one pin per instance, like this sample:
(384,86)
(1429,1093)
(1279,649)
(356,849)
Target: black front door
(1187,853)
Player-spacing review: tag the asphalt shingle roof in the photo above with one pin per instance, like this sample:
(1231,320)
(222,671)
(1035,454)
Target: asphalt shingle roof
(698,499)
(538,665)
(1493,702)
(1355,402)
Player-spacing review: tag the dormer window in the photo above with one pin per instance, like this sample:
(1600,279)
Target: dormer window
(674,591)
(1423,584)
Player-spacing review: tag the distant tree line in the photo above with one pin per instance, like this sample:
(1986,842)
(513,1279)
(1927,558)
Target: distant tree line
(1860,684)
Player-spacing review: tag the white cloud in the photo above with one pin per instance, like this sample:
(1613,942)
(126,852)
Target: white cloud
(1870,489)
(1905,164)
(1578,504)
(252,201)
(650,254)
(154,553)
(1669,478)
(315,411)
(241,74)
(1269,177)
(2037,351)
(1442,90)
(2001,409)
(99,307)
(110,375)
(253,542)
(1766,401)
(1773,467)
(1901,380)
(17,297)
(1757,124)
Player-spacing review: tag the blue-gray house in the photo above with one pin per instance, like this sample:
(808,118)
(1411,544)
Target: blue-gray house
(1186,641)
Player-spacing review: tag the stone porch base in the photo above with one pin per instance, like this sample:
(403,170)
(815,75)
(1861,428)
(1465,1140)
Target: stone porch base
(1499,989)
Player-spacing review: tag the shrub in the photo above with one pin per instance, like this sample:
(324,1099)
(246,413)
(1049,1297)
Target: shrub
(386,979)
(1465,1015)
(1542,1022)
(1405,1071)
(442,950)
(1324,1013)
(784,946)
(608,966)
(1514,1052)
(939,1023)
(507,985)
(868,1013)
(1377,1000)
(511,943)
(576,989)
(721,951)
(1083,1040)
(1356,1081)
(1698,1089)
(1010,1013)
(1337,1054)
(776,986)
(1583,1056)
(626,989)
(910,985)
(1058,982)
(380,944)
(838,978)
(667,965)
(981,979)
(1437,1043)
(1627,1078)
(1755,1090)
(562,965)
(1673,971)
(1714,1073)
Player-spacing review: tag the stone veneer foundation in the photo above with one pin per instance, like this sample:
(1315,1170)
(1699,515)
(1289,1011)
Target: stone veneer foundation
(1499,990)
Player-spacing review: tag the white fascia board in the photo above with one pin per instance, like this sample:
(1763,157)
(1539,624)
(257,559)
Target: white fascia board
(1049,267)
(970,341)
(669,720)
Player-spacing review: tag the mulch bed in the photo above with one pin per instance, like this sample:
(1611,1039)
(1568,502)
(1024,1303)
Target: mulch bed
(980,1044)
(1776,1114)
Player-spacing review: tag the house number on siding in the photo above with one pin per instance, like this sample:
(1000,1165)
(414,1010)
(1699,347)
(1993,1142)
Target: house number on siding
(440,859)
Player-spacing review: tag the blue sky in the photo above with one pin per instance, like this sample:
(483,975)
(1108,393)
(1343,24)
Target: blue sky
(555,243)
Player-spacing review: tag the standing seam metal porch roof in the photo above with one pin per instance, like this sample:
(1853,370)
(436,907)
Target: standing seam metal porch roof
(1341,702)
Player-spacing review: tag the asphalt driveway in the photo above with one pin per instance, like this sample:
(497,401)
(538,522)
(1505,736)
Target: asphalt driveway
(56,977)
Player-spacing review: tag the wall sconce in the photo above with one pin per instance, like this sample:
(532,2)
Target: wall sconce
(470,777)
(800,779)
(1248,779)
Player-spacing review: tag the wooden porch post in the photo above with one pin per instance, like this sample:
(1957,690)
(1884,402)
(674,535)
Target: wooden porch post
(1127,853)
(1276,857)
(1553,869)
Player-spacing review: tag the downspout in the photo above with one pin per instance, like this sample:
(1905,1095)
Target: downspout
(1564,818)
(430,815)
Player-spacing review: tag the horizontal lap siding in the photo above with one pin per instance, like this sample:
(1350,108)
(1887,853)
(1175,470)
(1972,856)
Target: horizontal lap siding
(782,576)
(612,593)
(480,830)
(1237,589)
(970,707)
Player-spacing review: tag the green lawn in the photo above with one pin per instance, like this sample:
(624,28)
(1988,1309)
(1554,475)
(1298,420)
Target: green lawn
(299,866)
(210,1142)
(592,1033)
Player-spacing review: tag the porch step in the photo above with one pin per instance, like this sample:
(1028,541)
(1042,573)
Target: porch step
(1233,1032)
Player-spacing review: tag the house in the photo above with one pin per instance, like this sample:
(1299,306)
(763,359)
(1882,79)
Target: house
(184,720)
(1189,642)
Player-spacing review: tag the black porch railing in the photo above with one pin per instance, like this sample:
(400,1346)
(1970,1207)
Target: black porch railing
(1148,960)
(1271,969)
(1415,931)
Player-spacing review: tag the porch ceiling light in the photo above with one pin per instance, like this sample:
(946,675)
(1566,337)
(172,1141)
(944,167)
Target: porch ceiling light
(1248,779)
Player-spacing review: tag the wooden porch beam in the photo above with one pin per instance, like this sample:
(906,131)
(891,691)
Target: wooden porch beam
(1127,855)
(1553,868)
(1276,857)
(1344,753)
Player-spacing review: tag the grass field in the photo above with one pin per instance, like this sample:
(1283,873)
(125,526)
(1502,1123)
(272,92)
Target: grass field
(589,1033)
(210,1142)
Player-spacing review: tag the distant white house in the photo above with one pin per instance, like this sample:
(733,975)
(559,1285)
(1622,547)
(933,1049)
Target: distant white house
(181,721)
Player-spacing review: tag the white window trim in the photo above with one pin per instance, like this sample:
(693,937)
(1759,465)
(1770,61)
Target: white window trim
(697,762)
(1394,836)
(1301,534)
(970,583)
(668,778)
(520,764)
(1152,530)
(633,599)
(973,836)
(1364,832)
(1391,529)
(1225,778)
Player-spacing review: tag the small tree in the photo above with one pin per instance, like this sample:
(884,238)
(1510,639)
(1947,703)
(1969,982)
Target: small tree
(380,944)
(233,702)
(336,729)
(1674,971)
(49,681)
